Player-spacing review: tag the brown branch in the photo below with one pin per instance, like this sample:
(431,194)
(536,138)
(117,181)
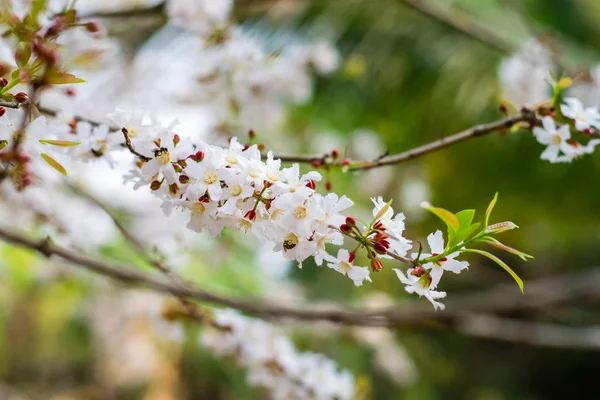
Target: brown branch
(461,23)
(11,104)
(530,333)
(128,236)
(476,131)
(541,294)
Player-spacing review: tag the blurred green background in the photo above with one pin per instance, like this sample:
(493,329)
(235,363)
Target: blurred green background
(411,79)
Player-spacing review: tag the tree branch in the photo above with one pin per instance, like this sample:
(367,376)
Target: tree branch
(541,294)
(461,23)
(530,333)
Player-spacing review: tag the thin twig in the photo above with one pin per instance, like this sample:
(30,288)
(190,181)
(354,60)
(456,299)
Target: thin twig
(476,131)
(130,146)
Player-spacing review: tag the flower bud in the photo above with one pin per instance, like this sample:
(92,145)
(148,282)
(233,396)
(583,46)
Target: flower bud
(346,162)
(173,189)
(183,179)
(261,146)
(250,215)
(351,222)
(155,185)
(418,271)
(379,248)
(251,134)
(2,111)
(501,227)
(335,153)
(311,184)
(199,156)
(503,109)
(351,257)
(376,265)
(328,186)
(3,82)
(345,229)
(176,140)
(92,27)
(316,163)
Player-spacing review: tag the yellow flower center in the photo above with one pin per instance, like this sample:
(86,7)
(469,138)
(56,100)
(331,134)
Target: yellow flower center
(210,177)
(198,208)
(300,212)
(236,190)
(346,266)
(556,139)
(132,131)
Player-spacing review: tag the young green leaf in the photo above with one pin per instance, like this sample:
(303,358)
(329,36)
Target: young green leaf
(61,78)
(499,245)
(449,219)
(60,143)
(54,164)
(489,210)
(500,263)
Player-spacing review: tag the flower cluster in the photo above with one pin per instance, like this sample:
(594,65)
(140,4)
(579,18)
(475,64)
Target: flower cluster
(244,82)
(561,147)
(273,362)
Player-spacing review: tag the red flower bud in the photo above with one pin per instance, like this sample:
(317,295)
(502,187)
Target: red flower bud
(3,82)
(346,162)
(176,139)
(21,97)
(503,109)
(350,221)
(2,111)
(311,184)
(379,248)
(199,156)
(316,163)
(335,153)
(351,257)
(250,215)
(376,265)
(261,146)
(328,185)
(418,271)
(251,134)
(345,228)
(92,27)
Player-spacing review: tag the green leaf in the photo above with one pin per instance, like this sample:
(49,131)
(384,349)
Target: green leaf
(61,78)
(464,233)
(489,210)
(500,263)
(465,217)
(465,229)
(449,219)
(60,143)
(499,245)
(23,54)
(54,164)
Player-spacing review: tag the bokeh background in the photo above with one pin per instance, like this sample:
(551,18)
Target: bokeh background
(405,78)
